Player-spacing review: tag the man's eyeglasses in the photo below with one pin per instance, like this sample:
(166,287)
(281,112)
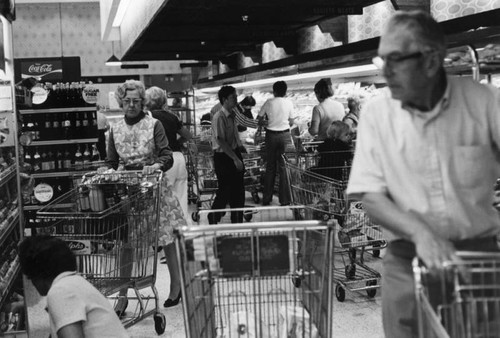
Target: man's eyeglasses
(135,102)
(393,59)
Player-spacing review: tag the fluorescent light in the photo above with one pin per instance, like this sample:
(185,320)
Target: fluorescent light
(351,71)
(113,61)
(120,12)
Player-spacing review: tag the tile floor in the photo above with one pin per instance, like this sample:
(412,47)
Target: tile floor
(358,316)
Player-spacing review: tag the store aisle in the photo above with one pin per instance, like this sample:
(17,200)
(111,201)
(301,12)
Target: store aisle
(357,317)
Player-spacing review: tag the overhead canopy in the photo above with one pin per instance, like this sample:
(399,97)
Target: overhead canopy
(216,29)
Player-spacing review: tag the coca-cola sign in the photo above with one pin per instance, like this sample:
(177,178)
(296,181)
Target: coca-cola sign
(47,71)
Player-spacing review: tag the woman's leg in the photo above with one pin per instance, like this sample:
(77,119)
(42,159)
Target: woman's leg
(173,269)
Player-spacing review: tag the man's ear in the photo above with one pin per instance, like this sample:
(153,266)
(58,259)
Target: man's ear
(433,64)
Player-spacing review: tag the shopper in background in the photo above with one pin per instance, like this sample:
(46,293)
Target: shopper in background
(239,115)
(228,161)
(139,142)
(102,128)
(280,115)
(177,176)
(335,153)
(327,111)
(352,117)
(425,162)
(247,103)
(76,308)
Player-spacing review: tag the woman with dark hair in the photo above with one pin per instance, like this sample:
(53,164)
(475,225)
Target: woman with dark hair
(247,103)
(76,308)
(327,111)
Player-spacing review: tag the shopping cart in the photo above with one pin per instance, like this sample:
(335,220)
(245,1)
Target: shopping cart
(111,223)
(253,171)
(259,279)
(201,158)
(463,301)
(325,198)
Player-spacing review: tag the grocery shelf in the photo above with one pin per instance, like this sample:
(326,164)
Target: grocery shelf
(62,142)
(8,287)
(57,110)
(38,206)
(7,174)
(4,233)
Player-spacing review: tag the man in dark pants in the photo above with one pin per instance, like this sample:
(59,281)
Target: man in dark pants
(228,161)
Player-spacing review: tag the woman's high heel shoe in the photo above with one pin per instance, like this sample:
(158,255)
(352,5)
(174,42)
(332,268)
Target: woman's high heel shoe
(121,306)
(172,302)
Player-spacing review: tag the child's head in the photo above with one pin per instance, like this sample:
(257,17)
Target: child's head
(339,130)
(43,258)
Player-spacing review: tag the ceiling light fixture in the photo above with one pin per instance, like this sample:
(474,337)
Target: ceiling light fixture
(350,71)
(113,61)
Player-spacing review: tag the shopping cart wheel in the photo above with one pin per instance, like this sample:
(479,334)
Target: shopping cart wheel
(108,246)
(247,216)
(339,293)
(160,322)
(371,292)
(350,271)
(297,281)
(195,216)
(255,197)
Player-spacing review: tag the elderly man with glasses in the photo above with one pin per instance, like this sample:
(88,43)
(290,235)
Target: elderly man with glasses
(426,159)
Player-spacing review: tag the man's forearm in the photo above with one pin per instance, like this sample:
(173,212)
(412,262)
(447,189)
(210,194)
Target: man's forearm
(384,212)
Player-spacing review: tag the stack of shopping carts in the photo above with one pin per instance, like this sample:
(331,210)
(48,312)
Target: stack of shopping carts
(110,221)
(325,198)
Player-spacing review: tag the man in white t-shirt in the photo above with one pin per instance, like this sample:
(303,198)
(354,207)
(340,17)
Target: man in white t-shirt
(280,116)
(76,308)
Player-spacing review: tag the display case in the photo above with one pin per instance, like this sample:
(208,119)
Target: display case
(63,146)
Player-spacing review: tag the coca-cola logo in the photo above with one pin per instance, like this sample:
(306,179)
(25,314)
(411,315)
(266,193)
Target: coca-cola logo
(40,68)
(76,246)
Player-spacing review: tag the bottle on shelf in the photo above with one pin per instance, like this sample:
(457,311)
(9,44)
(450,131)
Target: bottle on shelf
(51,160)
(95,153)
(27,156)
(59,161)
(37,164)
(78,126)
(67,159)
(86,156)
(67,126)
(78,159)
(85,126)
(44,161)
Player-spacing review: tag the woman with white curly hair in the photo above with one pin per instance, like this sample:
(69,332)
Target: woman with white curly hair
(139,142)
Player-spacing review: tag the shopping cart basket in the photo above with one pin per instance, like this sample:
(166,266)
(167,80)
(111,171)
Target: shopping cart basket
(254,165)
(325,198)
(259,279)
(111,223)
(463,301)
(201,158)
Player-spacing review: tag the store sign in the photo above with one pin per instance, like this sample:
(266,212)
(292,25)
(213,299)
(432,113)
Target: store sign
(79,247)
(43,192)
(336,10)
(51,71)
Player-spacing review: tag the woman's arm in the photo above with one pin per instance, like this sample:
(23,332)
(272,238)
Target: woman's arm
(74,330)
(314,128)
(165,159)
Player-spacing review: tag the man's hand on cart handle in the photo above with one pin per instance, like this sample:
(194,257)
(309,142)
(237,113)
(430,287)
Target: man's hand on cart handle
(150,169)
(435,252)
